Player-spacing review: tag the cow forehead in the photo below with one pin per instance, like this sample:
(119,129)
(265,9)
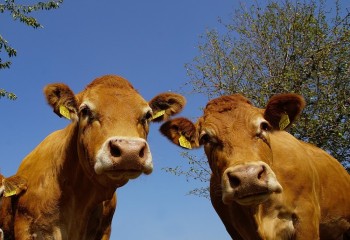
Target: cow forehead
(111,81)
(112,92)
(105,99)
(226,104)
(229,111)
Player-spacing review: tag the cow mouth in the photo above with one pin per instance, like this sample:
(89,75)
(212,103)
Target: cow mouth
(253,198)
(123,174)
(127,173)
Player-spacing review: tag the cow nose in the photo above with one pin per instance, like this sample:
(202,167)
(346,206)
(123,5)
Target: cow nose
(130,154)
(247,176)
(129,149)
(246,182)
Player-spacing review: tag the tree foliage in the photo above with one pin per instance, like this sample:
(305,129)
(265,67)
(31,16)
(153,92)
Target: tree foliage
(22,13)
(197,170)
(290,46)
(4,93)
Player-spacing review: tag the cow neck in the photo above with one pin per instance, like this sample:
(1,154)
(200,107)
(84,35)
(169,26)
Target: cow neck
(79,184)
(58,186)
(80,194)
(248,216)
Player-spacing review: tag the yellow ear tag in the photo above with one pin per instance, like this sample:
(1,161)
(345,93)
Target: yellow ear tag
(64,112)
(284,122)
(184,142)
(158,114)
(9,188)
(14,185)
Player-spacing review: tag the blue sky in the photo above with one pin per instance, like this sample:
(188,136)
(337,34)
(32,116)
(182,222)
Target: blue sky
(147,42)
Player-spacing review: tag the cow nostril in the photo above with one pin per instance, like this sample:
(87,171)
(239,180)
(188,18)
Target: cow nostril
(142,152)
(261,173)
(234,181)
(115,150)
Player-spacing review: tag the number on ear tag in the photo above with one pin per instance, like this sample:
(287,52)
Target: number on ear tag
(284,122)
(184,142)
(64,112)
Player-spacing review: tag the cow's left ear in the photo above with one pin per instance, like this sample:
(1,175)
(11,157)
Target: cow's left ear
(166,105)
(62,99)
(283,109)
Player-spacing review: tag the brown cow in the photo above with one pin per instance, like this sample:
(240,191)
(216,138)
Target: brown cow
(11,187)
(265,183)
(72,175)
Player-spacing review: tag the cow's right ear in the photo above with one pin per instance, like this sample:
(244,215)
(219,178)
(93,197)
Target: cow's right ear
(62,99)
(181,132)
(12,186)
(283,109)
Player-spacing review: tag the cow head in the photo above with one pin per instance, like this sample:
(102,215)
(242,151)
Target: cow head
(111,122)
(236,140)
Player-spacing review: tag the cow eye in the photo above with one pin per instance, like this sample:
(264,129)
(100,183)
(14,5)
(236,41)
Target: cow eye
(204,138)
(85,111)
(148,116)
(263,131)
(265,126)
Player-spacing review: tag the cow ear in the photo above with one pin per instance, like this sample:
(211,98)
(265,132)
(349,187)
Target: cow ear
(181,132)
(12,186)
(166,105)
(61,98)
(283,109)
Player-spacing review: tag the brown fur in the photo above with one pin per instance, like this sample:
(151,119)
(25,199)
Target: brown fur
(226,103)
(66,197)
(314,202)
(110,81)
(170,102)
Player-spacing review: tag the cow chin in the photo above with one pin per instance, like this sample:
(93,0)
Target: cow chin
(120,177)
